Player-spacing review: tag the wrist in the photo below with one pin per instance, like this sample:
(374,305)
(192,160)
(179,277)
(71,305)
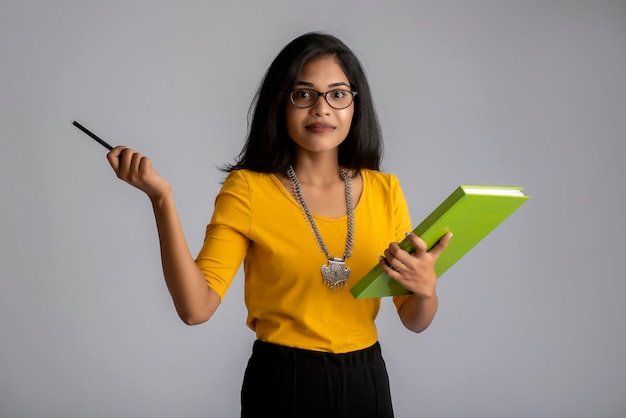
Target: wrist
(161,198)
(426,296)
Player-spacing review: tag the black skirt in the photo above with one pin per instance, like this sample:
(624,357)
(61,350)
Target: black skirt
(283,382)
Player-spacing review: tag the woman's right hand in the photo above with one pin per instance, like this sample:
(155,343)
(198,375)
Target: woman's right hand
(136,170)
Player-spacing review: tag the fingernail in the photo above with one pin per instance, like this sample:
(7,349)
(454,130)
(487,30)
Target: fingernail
(406,234)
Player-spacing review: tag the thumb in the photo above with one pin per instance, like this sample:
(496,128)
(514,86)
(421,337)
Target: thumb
(114,156)
(441,245)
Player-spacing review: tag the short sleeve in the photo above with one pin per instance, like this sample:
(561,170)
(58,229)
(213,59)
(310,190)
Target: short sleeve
(227,235)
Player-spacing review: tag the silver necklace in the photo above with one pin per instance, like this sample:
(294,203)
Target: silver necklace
(334,274)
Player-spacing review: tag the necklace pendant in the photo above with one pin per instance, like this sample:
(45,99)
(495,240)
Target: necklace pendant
(335,274)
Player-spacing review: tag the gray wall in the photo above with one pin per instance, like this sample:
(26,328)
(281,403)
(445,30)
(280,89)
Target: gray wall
(527,93)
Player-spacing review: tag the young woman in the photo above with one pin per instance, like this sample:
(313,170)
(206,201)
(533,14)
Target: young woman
(306,210)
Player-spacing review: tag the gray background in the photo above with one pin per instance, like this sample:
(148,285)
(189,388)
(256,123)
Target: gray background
(530,93)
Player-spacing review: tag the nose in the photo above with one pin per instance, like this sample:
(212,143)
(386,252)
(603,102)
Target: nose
(321,106)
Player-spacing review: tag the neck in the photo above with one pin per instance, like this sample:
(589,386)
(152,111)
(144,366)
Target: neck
(320,172)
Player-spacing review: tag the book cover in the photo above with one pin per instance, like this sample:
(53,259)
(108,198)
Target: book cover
(470,213)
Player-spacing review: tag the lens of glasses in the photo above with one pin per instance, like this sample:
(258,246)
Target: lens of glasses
(338,99)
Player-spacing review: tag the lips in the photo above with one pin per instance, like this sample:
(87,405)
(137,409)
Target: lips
(320,127)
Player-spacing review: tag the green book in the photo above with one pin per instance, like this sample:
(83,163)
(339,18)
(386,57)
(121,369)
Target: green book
(470,213)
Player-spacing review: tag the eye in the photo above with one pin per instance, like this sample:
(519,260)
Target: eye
(302,94)
(339,94)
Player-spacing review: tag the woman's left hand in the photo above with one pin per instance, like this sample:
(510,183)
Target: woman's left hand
(415,270)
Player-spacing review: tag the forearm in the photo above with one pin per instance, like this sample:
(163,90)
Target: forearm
(417,313)
(416,272)
(194,300)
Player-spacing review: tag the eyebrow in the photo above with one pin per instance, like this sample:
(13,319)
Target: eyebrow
(305,83)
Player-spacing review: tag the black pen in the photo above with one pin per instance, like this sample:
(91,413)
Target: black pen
(94,136)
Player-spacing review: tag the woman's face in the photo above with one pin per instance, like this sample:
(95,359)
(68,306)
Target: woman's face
(320,128)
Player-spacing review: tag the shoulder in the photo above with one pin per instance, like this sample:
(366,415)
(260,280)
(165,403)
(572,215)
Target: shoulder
(374,178)
(241,192)
(251,186)
(248,178)
(384,186)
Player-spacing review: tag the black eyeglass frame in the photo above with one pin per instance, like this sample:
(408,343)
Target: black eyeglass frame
(319,93)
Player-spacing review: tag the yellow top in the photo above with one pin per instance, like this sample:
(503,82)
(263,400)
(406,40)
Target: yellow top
(257,221)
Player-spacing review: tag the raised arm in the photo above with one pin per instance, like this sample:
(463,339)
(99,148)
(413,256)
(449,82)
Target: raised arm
(194,300)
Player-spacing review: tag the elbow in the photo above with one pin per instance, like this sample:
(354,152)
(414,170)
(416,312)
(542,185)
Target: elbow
(193,319)
(199,312)
(199,315)
(417,326)
(417,320)
(192,322)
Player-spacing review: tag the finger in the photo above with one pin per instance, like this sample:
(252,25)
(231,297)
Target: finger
(389,257)
(135,163)
(145,165)
(418,243)
(114,156)
(125,158)
(396,258)
(387,267)
(441,245)
(129,164)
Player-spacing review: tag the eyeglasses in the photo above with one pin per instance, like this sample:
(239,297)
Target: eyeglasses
(337,99)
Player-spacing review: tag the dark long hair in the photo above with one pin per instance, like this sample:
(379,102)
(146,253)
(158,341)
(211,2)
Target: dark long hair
(269,149)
